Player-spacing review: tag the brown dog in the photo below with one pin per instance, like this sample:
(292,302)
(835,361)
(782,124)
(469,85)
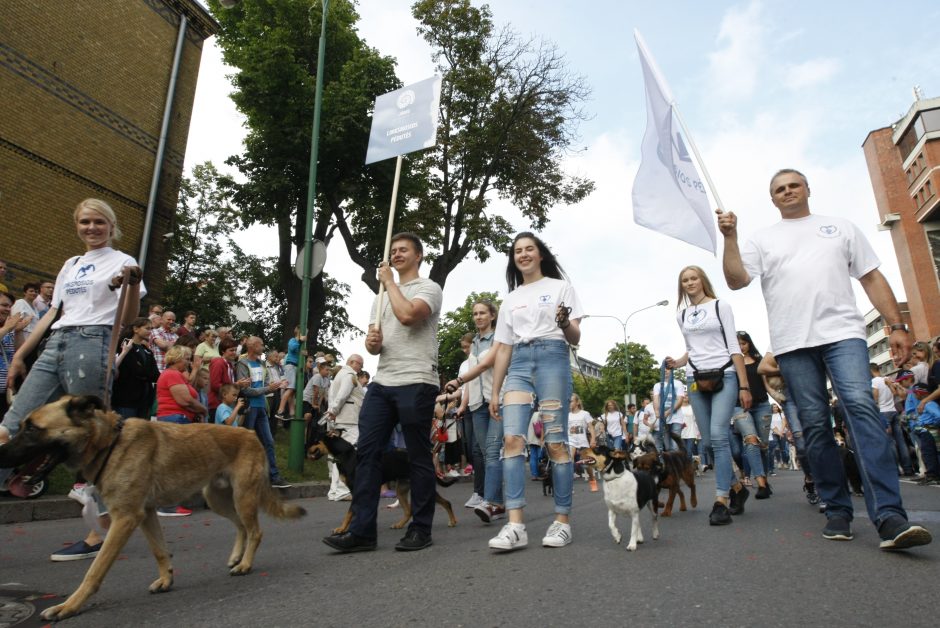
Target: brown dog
(139,465)
(395,468)
(674,467)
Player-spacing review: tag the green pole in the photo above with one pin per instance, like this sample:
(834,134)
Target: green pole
(295,459)
(626,360)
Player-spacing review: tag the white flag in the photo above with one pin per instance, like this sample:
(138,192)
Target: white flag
(668,193)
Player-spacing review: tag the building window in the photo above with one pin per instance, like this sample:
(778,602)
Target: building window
(933,239)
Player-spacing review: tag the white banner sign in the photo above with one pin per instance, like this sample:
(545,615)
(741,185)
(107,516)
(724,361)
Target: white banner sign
(405,120)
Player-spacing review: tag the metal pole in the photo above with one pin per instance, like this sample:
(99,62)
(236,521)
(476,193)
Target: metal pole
(295,459)
(161,145)
(626,360)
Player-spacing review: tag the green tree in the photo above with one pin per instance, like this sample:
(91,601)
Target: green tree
(274,46)
(593,392)
(509,110)
(644,371)
(451,327)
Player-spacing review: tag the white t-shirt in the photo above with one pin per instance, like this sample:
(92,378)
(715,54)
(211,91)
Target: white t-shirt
(24,307)
(885,396)
(81,289)
(528,312)
(643,429)
(805,265)
(691,427)
(920,371)
(708,348)
(409,352)
(578,427)
(612,420)
(776,423)
(670,400)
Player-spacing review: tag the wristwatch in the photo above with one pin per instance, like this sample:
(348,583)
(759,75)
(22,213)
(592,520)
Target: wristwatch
(900,327)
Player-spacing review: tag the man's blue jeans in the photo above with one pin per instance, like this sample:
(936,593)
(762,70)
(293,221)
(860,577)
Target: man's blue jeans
(257,419)
(891,422)
(412,406)
(475,433)
(846,364)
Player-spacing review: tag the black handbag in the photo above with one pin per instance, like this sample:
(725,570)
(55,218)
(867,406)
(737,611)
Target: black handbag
(711,380)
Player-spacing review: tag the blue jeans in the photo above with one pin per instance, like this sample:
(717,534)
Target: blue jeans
(846,364)
(754,423)
(713,413)
(181,419)
(615,442)
(669,442)
(928,451)
(411,406)
(541,368)
(890,420)
(535,456)
(73,363)
(475,433)
(491,433)
(257,419)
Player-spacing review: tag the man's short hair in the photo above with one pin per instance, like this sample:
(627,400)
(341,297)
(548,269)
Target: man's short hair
(30,284)
(873,367)
(789,171)
(227,343)
(411,237)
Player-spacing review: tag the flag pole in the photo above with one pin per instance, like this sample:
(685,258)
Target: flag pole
(698,157)
(388,241)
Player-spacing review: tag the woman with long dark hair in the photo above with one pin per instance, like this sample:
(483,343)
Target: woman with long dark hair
(717,382)
(752,427)
(136,372)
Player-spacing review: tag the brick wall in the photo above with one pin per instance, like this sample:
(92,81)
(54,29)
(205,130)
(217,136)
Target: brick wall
(84,85)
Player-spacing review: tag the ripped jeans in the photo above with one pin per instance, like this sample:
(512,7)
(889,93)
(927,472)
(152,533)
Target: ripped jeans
(542,369)
(73,363)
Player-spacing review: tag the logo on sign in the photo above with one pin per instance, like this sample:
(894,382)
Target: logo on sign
(828,231)
(406,99)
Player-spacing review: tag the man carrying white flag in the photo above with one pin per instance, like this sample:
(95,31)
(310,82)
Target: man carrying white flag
(668,193)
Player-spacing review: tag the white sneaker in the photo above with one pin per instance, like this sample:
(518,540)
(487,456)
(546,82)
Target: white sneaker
(558,535)
(512,536)
(474,501)
(453,473)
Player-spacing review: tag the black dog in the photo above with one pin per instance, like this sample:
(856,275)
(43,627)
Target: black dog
(395,468)
(545,473)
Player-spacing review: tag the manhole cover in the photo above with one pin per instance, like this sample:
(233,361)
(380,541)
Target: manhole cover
(21,608)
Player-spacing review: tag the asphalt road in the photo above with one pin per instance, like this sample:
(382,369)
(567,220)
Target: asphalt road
(771,567)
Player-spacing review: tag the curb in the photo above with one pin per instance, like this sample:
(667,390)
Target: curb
(15,510)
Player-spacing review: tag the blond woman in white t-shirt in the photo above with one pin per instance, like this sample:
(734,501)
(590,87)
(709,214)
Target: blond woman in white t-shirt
(74,361)
(707,325)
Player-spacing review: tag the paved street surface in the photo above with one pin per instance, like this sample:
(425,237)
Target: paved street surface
(771,567)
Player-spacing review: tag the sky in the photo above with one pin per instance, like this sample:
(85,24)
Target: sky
(761,86)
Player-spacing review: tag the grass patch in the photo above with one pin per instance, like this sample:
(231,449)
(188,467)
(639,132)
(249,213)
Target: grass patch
(61,478)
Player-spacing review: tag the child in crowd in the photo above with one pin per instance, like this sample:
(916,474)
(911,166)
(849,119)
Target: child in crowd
(925,427)
(229,411)
(201,384)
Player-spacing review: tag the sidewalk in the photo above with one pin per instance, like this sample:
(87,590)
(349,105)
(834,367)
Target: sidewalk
(15,510)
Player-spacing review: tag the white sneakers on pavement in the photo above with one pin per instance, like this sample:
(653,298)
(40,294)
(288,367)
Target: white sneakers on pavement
(512,537)
(558,535)
(474,501)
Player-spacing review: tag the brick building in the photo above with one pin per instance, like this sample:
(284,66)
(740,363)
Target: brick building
(85,85)
(904,165)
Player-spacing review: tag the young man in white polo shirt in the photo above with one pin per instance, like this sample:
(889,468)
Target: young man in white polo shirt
(805,262)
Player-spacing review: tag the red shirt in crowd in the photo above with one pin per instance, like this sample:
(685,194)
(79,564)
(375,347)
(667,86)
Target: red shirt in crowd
(166,404)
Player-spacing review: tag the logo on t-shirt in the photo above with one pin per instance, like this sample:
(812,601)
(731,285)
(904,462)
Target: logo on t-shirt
(84,270)
(828,231)
(696,318)
(545,299)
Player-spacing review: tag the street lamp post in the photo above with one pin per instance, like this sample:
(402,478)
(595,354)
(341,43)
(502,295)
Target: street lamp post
(626,350)
(295,458)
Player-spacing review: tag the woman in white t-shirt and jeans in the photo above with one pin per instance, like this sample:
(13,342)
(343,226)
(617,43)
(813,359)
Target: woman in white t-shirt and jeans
(537,321)
(711,344)
(74,361)
(615,423)
(580,433)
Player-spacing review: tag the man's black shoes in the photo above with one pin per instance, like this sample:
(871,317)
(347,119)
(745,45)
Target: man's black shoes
(414,540)
(348,542)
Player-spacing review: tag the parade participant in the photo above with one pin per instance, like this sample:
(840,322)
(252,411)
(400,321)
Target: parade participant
(345,401)
(402,392)
(74,362)
(817,331)
(754,424)
(537,321)
(718,381)
(615,424)
(581,435)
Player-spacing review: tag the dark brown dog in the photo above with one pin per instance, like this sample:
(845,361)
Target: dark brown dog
(395,468)
(139,465)
(671,468)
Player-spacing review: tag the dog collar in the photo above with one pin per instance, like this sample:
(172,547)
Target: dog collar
(118,427)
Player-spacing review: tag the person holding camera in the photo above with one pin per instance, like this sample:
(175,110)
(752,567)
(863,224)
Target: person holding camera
(717,384)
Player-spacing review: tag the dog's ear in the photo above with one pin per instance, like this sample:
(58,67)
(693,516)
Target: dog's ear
(82,408)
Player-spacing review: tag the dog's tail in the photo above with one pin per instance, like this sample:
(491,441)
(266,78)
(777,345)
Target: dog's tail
(276,507)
